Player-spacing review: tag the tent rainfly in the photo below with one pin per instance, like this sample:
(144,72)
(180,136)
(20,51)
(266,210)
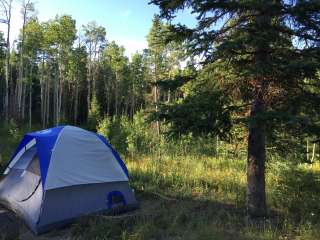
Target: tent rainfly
(62,173)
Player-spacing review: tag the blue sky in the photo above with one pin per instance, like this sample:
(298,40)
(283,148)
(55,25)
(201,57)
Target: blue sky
(126,21)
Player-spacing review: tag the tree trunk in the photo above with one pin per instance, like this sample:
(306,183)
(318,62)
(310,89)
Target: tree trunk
(47,102)
(11,93)
(56,97)
(20,79)
(217,146)
(256,196)
(116,95)
(313,152)
(132,106)
(108,101)
(256,192)
(23,104)
(76,99)
(156,102)
(89,75)
(44,109)
(30,99)
(61,89)
(43,94)
(156,96)
(7,69)
(307,150)
(126,107)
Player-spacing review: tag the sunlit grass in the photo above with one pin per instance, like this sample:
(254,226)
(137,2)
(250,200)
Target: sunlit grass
(293,194)
(190,176)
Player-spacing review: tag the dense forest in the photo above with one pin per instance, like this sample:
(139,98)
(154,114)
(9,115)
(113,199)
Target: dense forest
(55,73)
(245,82)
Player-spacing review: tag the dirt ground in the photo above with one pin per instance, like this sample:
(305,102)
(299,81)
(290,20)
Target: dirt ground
(12,228)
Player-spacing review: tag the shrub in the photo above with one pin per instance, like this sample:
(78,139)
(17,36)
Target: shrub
(128,136)
(94,114)
(116,131)
(141,138)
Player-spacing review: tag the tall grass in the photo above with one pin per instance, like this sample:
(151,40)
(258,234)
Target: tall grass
(203,197)
(194,188)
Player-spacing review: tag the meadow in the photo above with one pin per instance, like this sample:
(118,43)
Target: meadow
(196,190)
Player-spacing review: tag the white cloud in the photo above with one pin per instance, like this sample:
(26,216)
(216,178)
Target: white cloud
(132,45)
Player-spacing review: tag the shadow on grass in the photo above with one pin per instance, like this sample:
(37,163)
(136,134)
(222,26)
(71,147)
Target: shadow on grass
(166,218)
(163,219)
(169,215)
(298,193)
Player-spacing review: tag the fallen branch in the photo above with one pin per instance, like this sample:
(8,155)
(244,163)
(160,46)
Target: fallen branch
(118,216)
(164,197)
(124,216)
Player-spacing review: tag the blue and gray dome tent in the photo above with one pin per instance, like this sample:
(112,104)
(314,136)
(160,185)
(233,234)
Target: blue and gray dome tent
(59,174)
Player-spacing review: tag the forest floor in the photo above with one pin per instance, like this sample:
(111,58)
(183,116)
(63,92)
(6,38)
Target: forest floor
(199,196)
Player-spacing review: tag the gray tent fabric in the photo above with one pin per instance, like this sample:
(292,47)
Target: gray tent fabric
(89,161)
(77,192)
(22,195)
(25,159)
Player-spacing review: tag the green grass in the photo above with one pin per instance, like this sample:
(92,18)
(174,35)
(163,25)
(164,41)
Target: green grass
(9,138)
(202,196)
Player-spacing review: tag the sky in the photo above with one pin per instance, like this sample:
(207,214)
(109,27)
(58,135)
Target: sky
(126,21)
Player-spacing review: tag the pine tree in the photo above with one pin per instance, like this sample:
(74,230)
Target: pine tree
(273,46)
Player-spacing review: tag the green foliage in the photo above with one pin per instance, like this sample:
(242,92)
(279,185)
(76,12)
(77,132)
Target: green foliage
(10,135)
(34,37)
(116,131)
(128,136)
(104,126)
(200,113)
(95,36)
(202,107)
(138,80)
(61,33)
(94,114)
(114,55)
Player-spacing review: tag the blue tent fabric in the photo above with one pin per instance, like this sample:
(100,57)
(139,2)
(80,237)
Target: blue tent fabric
(118,195)
(45,143)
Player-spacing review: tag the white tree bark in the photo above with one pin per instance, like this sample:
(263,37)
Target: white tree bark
(25,8)
(30,99)
(6,6)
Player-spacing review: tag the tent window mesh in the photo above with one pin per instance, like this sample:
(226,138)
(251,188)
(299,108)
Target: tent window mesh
(34,166)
